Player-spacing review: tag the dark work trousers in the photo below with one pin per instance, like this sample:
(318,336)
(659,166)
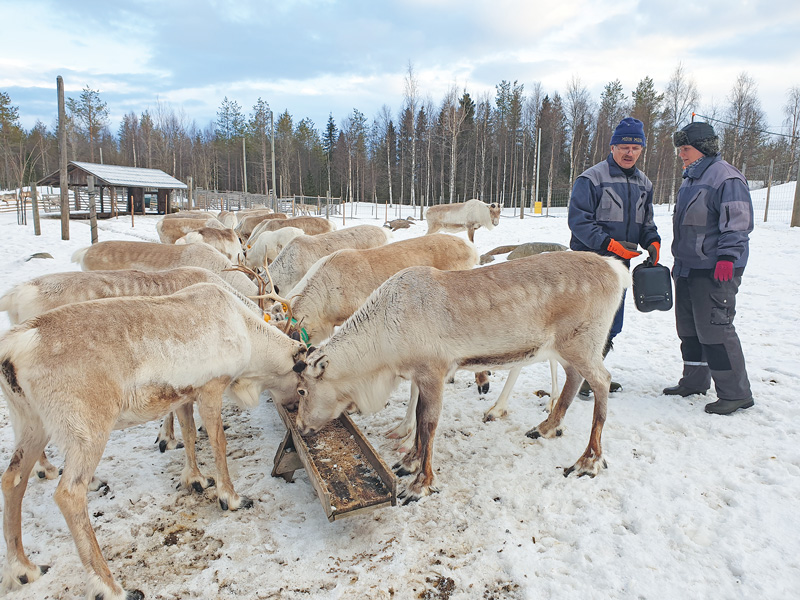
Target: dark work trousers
(616,325)
(704,312)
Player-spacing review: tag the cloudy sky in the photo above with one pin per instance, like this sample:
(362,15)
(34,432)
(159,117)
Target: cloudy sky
(315,57)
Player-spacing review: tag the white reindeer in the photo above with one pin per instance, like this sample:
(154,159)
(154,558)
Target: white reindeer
(299,255)
(224,240)
(77,372)
(469,216)
(263,248)
(558,305)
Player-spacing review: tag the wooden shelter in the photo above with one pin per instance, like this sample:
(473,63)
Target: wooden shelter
(135,182)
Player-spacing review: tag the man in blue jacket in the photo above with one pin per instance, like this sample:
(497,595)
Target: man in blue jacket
(712,223)
(611,210)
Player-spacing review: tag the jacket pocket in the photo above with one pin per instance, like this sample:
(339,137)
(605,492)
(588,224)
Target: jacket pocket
(640,208)
(696,214)
(610,208)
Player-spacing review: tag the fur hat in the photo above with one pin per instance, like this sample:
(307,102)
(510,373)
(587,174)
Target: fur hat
(699,135)
(629,131)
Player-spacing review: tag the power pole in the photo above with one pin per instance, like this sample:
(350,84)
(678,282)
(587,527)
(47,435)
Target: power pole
(62,143)
(272,144)
(244,164)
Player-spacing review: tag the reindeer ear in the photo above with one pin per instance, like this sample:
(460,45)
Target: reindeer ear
(295,335)
(299,366)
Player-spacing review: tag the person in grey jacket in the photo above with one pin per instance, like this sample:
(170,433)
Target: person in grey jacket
(712,223)
(611,211)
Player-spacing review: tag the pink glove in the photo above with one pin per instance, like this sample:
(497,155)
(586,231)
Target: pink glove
(724,270)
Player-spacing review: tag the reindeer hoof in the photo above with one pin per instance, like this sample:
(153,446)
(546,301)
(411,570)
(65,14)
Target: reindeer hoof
(400,470)
(483,389)
(533,434)
(134,595)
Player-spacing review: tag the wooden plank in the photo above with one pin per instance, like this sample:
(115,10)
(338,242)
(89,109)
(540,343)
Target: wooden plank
(347,474)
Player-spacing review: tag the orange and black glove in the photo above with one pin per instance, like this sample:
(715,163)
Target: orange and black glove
(654,250)
(626,250)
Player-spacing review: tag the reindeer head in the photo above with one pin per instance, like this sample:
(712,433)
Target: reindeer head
(320,401)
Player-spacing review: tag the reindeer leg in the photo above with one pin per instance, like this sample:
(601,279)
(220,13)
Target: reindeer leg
(45,469)
(500,408)
(210,407)
(591,461)
(553,384)
(191,477)
(482,381)
(551,426)
(429,409)
(166,435)
(18,569)
(405,430)
(471,234)
(82,458)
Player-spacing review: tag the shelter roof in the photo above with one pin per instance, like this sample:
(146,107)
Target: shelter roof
(115,175)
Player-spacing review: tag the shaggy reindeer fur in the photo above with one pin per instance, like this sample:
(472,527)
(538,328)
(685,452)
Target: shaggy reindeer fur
(299,255)
(309,225)
(249,223)
(557,305)
(171,229)
(469,216)
(266,246)
(337,285)
(147,256)
(224,240)
(166,356)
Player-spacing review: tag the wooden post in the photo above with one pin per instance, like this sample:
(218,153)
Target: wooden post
(796,208)
(35,207)
(189,192)
(62,146)
(769,188)
(92,208)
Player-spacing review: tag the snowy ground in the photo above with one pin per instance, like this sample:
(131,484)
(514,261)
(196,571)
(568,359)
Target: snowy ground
(691,505)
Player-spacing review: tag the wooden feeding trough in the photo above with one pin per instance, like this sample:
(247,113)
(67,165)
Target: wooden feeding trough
(346,472)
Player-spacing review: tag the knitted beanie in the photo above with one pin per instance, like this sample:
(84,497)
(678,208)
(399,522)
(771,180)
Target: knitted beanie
(629,131)
(699,135)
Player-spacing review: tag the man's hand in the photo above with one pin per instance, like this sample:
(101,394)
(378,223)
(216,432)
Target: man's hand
(626,250)
(724,270)
(654,251)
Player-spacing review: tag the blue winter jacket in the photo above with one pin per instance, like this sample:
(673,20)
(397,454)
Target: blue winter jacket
(713,218)
(606,203)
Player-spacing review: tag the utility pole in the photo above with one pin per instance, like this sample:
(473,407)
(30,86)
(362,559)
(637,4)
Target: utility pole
(272,143)
(62,142)
(244,164)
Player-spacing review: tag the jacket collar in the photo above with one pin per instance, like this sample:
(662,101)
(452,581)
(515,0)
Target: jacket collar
(698,167)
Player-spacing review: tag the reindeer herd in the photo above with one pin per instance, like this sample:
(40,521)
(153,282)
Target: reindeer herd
(146,330)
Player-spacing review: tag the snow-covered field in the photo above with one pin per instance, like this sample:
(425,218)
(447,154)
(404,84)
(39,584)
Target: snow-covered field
(691,505)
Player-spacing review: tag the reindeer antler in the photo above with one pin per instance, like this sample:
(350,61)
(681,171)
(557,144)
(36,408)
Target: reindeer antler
(264,295)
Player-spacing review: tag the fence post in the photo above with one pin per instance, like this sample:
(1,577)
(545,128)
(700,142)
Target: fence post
(35,206)
(92,208)
(796,208)
(189,192)
(769,188)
